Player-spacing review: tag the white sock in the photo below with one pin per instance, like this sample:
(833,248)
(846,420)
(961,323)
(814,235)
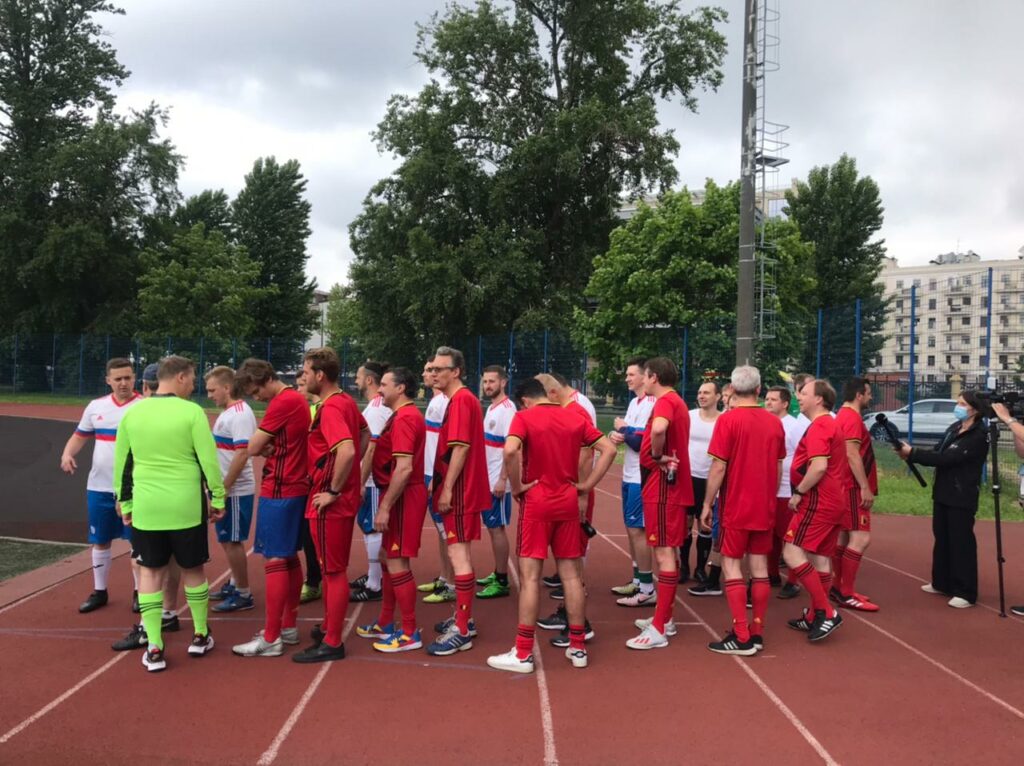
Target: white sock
(168,614)
(100,568)
(135,574)
(373,572)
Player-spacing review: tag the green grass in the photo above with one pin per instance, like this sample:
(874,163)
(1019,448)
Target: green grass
(17,557)
(8,398)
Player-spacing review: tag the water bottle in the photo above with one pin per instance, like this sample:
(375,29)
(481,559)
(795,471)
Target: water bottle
(671,475)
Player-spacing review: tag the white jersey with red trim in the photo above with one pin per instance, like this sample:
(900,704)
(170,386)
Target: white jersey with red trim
(586,404)
(637,414)
(99,422)
(434,415)
(376,414)
(794,429)
(231,432)
(497,421)
(700,439)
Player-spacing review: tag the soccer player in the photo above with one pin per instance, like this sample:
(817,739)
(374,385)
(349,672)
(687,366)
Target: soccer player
(497,420)
(442,588)
(748,447)
(231,432)
(281,439)
(163,454)
(461,491)
(702,424)
(376,414)
(338,437)
(99,422)
(856,534)
(398,472)
(311,590)
(818,503)
(667,491)
(545,477)
(630,431)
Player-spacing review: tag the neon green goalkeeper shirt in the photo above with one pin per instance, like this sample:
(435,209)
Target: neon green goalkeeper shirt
(162,455)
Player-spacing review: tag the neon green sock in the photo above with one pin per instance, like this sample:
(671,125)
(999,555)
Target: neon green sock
(198,599)
(152,606)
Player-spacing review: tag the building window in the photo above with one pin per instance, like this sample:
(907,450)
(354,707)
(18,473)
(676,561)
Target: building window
(899,284)
(983,321)
(967,281)
(984,301)
(1004,321)
(949,360)
(983,361)
(965,301)
(899,303)
(965,339)
(899,360)
(1005,279)
(932,284)
(931,323)
(931,341)
(1004,362)
(965,360)
(1004,340)
(981,341)
(931,361)
(965,321)
(931,304)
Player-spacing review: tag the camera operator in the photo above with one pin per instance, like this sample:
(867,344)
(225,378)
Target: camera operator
(958,459)
(1001,411)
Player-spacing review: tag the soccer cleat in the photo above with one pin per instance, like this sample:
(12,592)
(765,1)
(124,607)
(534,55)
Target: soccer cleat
(236,602)
(290,636)
(510,661)
(959,603)
(258,647)
(834,595)
(365,594)
(638,599)
(1018,610)
(789,590)
(359,582)
(136,639)
(450,643)
(493,590)
(429,587)
(170,624)
(626,590)
(670,626)
(700,577)
(442,596)
(310,593)
(929,588)
(485,581)
(322,652)
(224,593)
(444,626)
(562,639)
(823,626)
(649,638)
(774,581)
(707,589)
(758,642)
(801,622)
(96,599)
(556,621)
(558,594)
(732,645)
(153,659)
(578,657)
(316,633)
(853,602)
(551,581)
(200,645)
(136,609)
(399,642)
(375,630)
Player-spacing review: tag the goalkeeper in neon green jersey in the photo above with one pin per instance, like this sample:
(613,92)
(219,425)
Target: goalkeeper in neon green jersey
(165,460)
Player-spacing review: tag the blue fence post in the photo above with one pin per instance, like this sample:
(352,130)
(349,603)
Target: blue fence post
(817,361)
(81,358)
(14,367)
(988,330)
(910,382)
(856,339)
(686,356)
(545,368)
(53,366)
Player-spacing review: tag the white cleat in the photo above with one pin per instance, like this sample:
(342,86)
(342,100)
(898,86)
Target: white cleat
(510,662)
(578,657)
(929,588)
(649,638)
(959,603)
(643,622)
(259,648)
(638,599)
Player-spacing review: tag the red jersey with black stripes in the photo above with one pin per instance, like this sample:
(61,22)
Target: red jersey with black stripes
(851,426)
(656,489)
(822,439)
(287,420)
(337,421)
(463,424)
(404,434)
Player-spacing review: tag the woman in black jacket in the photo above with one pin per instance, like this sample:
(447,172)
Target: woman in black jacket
(958,460)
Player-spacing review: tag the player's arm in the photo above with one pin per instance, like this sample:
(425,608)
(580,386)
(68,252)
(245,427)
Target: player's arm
(345,457)
(73,447)
(366,461)
(659,430)
(258,442)
(399,480)
(605,457)
(238,461)
(816,469)
(206,452)
(514,466)
(460,452)
(859,474)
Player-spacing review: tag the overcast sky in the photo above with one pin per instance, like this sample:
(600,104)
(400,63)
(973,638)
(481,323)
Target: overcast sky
(925,94)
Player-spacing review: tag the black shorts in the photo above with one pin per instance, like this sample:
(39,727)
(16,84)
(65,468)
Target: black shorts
(700,489)
(153,548)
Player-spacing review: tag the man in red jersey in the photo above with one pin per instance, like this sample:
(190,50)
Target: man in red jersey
(398,476)
(542,461)
(338,438)
(748,447)
(667,491)
(819,501)
(461,491)
(856,534)
(281,438)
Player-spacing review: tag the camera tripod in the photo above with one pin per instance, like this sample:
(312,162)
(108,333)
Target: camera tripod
(993,446)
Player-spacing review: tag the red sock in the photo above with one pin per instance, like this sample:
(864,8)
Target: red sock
(524,641)
(464,587)
(851,565)
(291,608)
(826,581)
(760,590)
(774,556)
(387,603)
(837,564)
(404,586)
(335,606)
(791,577)
(811,581)
(736,595)
(668,582)
(276,571)
(577,637)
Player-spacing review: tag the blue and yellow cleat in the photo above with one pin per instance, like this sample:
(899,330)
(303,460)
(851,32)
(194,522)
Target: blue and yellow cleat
(375,631)
(399,642)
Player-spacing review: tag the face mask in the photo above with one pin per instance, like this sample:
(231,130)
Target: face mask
(960,412)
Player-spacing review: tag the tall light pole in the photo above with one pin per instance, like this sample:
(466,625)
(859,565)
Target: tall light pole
(748,148)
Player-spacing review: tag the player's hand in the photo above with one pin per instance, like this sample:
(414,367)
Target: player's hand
(904,450)
(323,499)
(444,502)
(794,502)
(523,489)
(216,514)
(267,450)
(126,518)
(619,423)
(380,523)
(499,488)
(68,464)
(867,498)
(1000,411)
(705,517)
(583,507)
(616,438)
(668,463)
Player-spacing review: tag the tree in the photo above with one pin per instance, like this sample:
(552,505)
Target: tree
(78,183)
(210,208)
(271,220)
(538,117)
(840,213)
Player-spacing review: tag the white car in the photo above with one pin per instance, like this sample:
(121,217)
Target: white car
(931,418)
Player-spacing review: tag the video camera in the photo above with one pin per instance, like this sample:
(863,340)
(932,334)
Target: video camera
(1012,399)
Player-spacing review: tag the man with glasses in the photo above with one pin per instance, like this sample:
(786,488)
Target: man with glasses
(442,588)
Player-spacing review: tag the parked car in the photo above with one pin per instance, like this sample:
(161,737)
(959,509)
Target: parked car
(931,419)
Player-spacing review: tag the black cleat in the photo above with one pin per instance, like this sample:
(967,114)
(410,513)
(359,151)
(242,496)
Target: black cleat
(96,599)
(1018,610)
(322,652)
(707,589)
(551,581)
(317,634)
(365,594)
(758,642)
(801,622)
(775,581)
(558,594)
(789,590)
(170,624)
(136,639)
(732,645)
(557,621)
(562,639)
(824,626)
(359,582)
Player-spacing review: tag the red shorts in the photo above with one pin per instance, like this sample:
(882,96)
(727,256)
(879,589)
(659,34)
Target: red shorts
(737,542)
(857,519)
(332,536)
(664,525)
(401,540)
(813,531)
(536,536)
(461,527)
(782,517)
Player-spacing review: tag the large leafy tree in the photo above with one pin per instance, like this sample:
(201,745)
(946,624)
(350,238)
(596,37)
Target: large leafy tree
(537,118)
(78,182)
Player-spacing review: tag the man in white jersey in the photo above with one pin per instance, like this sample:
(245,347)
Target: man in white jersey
(702,424)
(442,588)
(99,422)
(497,421)
(376,414)
(231,433)
(630,431)
(777,400)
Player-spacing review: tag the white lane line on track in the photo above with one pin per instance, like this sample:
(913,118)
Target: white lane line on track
(270,754)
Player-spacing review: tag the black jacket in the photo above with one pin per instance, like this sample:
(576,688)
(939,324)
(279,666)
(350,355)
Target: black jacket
(958,460)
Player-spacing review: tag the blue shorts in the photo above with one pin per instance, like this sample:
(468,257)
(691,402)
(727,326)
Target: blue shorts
(500,514)
(234,525)
(437,517)
(104,523)
(279,526)
(368,510)
(633,505)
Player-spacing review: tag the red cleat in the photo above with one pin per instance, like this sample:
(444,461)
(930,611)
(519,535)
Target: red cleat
(857,602)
